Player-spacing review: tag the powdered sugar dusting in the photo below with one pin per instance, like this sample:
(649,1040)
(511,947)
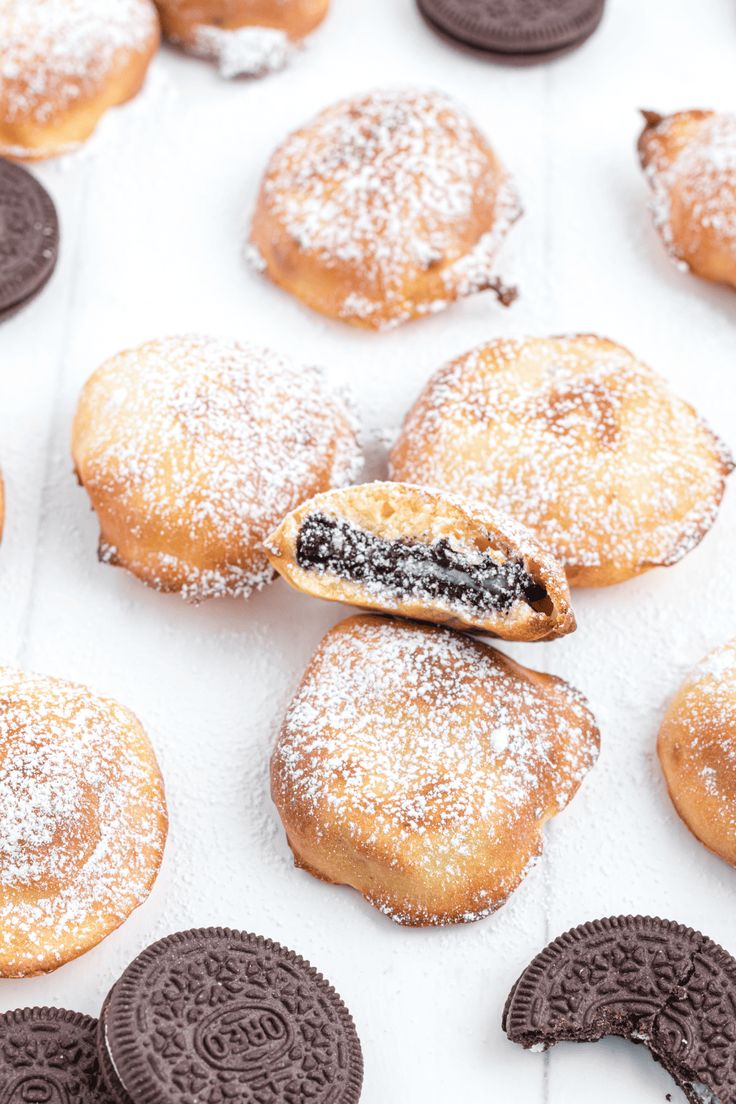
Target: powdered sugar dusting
(588,448)
(720,664)
(702,177)
(82,819)
(55,52)
(432,740)
(385,186)
(214,441)
(708,712)
(245,52)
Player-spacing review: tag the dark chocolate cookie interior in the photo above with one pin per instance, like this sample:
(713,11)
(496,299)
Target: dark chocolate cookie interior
(420,570)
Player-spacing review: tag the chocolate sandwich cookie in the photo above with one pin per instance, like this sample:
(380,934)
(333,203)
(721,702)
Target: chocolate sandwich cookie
(515,31)
(112,1083)
(29,238)
(214,1014)
(50,1056)
(651,981)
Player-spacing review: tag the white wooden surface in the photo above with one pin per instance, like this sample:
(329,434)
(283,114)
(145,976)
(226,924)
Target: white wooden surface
(154,212)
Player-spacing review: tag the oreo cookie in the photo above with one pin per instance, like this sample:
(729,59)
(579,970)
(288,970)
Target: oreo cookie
(515,31)
(651,981)
(112,1082)
(214,1014)
(50,1055)
(29,238)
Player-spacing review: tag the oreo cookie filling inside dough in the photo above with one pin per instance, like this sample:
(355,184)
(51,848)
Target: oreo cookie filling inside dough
(432,571)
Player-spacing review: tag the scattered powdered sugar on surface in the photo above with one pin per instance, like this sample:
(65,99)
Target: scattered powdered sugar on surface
(592,452)
(404,736)
(385,185)
(82,817)
(54,52)
(245,52)
(216,441)
(702,177)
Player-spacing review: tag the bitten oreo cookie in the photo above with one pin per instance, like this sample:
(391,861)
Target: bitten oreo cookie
(648,980)
(515,30)
(214,1014)
(49,1056)
(29,238)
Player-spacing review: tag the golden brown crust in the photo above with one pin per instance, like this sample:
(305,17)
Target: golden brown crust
(579,441)
(343,222)
(67,63)
(82,820)
(419,765)
(689,159)
(697,751)
(181,19)
(192,448)
(409,515)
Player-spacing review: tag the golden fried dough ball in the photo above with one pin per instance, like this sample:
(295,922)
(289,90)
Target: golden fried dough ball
(690,162)
(63,63)
(82,820)
(192,449)
(697,750)
(386,207)
(419,766)
(576,439)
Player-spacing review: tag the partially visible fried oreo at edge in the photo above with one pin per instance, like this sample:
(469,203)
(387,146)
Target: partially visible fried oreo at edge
(648,980)
(520,31)
(219,1014)
(49,1055)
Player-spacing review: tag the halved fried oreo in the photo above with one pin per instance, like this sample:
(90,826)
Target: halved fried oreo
(419,553)
(648,980)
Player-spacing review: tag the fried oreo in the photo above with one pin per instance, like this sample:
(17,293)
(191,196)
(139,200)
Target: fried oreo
(420,766)
(214,1014)
(648,980)
(387,206)
(689,160)
(579,441)
(49,1056)
(697,751)
(29,238)
(414,551)
(192,448)
(64,64)
(83,820)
